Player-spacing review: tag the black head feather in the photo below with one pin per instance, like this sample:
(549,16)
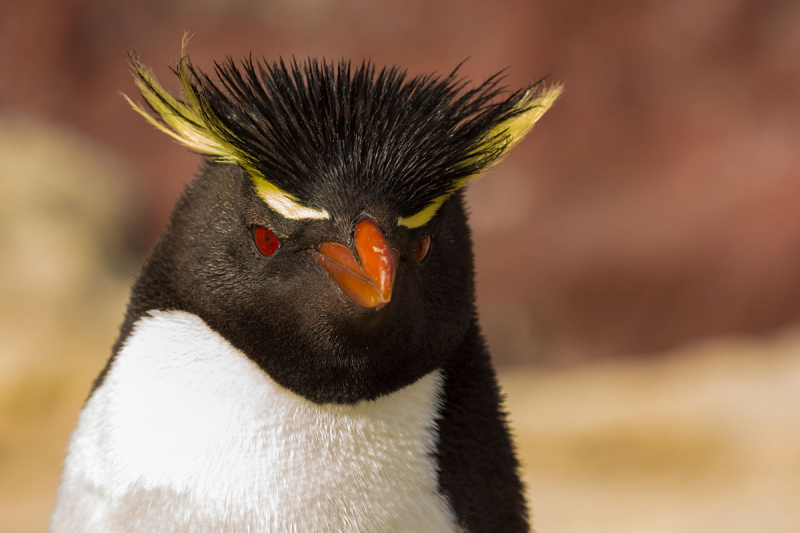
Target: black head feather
(319,128)
(326,135)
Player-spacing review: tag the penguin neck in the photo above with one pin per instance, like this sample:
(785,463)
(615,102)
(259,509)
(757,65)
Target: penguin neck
(192,414)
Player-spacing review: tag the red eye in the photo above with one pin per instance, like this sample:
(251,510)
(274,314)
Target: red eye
(265,240)
(421,250)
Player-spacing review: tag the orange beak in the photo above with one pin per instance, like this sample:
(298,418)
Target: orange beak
(367,283)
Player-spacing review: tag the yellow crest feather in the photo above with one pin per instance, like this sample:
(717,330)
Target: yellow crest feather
(504,136)
(191,122)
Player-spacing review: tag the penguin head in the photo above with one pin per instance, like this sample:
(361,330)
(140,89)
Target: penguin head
(326,238)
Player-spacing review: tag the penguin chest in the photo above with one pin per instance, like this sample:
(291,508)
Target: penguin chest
(186,433)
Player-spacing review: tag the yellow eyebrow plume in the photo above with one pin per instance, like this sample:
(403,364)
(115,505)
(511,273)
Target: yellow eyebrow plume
(192,123)
(504,136)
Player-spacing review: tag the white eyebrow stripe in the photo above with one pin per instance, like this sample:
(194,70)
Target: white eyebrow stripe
(290,209)
(283,203)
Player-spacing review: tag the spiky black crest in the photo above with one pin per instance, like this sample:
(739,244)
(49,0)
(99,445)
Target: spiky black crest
(411,140)
(319,133)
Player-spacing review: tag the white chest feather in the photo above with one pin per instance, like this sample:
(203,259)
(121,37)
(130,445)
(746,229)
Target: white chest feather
(188,434)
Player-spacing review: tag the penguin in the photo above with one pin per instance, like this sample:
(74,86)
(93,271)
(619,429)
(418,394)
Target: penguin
(301,350)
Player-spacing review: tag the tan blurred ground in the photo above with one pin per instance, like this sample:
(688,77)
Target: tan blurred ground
(704,439)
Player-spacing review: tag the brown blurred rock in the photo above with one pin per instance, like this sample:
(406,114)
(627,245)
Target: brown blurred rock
(66,252)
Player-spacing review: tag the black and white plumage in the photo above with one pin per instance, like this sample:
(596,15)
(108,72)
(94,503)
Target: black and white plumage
(301,350)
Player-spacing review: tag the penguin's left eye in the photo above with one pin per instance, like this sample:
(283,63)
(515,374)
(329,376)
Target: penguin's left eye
(422,248)
(266,242)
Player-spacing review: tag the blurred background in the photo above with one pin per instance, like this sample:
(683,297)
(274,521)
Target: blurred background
(638,254)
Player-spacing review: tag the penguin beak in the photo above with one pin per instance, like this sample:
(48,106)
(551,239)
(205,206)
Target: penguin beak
(367,280)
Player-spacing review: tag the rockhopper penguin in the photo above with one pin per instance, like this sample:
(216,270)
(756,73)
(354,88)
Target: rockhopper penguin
(301,350)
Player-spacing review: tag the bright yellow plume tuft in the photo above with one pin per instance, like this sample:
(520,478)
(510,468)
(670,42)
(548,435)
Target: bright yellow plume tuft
(531,107)
(192,123)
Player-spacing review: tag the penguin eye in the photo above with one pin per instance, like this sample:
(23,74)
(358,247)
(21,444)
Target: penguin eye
(422,247)
(266,242)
